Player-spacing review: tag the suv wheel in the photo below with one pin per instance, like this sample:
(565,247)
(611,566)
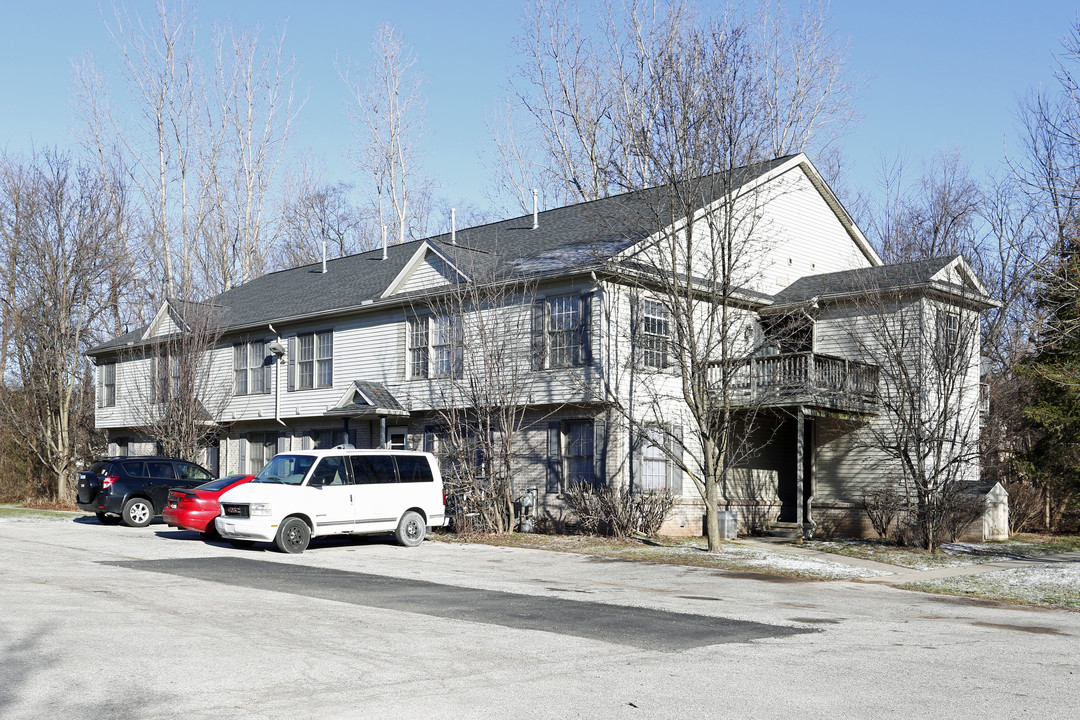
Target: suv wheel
(107,519)
(138,512)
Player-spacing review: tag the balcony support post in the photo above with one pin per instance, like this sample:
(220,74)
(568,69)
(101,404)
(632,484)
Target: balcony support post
(800,425)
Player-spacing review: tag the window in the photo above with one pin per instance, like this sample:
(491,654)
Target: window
(165,378)
(418,347)
(107,396)
(315,360)
(261,449)
(414,469)
(655,331)
(948,332)
(654,463)
(373,469)
(251,367)
(187,471)
(330,471)
(560,332)
(564,331)
(442,342)
(578,451)
(435,347)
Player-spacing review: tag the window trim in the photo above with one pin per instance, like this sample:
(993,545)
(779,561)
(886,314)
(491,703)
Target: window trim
(319,363)
(108,384)
(654,436)
(567,458)
(948,332)
(422,352)
(653,344)
(256,377)
(577,352)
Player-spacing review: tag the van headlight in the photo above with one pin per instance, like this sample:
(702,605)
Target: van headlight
(259,509)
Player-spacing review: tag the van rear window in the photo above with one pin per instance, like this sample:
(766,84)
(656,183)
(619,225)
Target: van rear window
(373,469)
(414,469)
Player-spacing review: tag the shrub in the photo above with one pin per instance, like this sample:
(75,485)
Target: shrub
(616,511)
(883,506)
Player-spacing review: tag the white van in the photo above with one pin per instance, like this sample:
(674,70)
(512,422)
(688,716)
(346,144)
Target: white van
(301,495)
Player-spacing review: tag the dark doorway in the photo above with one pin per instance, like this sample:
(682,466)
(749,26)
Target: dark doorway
(787,446)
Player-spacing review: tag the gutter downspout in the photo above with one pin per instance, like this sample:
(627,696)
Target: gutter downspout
(277,380)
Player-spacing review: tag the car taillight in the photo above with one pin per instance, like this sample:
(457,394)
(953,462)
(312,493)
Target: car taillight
(108,480)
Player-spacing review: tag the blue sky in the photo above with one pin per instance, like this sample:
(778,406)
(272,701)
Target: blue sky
(943,74)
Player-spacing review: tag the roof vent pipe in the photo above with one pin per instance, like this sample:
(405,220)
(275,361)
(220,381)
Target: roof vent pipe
(383,242)
(324,256)
(536,211)
(453,226)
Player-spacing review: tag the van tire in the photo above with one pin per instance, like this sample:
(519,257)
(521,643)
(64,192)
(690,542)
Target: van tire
(411,529)
(293,536)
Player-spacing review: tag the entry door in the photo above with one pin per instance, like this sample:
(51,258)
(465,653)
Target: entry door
(331,496)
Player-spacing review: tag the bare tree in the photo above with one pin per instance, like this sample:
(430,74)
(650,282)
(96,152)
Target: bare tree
(681,101)
(927,425)
(586,92)
(175,397)
(255,106)
(58,227)
(389,124)
(479,334)
(200,149)
(158,142)
(317,212)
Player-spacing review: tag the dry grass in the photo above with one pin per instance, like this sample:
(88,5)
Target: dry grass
(691,552)
(951,554)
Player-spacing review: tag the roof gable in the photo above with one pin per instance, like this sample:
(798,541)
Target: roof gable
(427,269)
(164,323)
(959,273)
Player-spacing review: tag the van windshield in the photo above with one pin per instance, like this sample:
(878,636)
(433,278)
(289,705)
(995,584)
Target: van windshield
(286,469)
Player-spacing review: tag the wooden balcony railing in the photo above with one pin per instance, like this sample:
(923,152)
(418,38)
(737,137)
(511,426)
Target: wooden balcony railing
(801,378)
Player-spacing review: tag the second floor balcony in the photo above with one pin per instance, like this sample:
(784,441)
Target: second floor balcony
(803,378)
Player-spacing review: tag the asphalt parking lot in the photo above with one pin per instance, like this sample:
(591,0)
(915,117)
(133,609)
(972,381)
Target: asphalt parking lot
(151,622)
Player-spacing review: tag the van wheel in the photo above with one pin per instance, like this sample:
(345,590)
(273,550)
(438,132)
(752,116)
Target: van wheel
(293,536)
(411,529)
(137,512)
(107,519)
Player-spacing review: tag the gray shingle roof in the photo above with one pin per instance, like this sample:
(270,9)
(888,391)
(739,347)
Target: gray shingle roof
(569,239)
(862,280)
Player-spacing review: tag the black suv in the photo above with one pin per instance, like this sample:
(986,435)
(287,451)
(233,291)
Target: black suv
(134,490)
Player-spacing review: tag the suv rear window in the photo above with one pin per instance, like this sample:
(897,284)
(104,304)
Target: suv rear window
(134,468)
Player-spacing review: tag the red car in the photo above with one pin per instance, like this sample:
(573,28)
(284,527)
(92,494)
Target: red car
(195,509)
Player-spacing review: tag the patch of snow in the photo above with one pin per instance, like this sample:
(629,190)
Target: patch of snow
(825,569)
(1056,585)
